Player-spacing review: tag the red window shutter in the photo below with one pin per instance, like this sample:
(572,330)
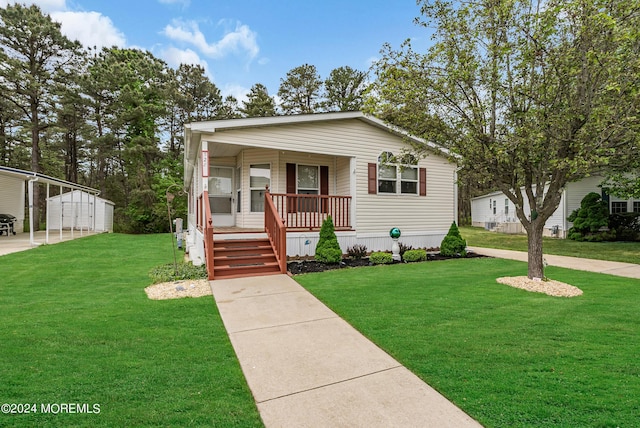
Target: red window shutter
(373,178)
(423,181)
(292,202)
(324,180)
(324,187)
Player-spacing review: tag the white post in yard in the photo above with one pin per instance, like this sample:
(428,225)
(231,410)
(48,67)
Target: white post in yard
(46,238)
(61,217)
(30,185)
(95,210)
(73,214)
(81,212)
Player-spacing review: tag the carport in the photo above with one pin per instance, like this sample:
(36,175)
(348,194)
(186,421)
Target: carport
(12,201)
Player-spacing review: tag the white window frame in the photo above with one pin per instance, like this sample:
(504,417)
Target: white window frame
(636,206)
(307,189)
(256,189)
(413,166)
(398,180)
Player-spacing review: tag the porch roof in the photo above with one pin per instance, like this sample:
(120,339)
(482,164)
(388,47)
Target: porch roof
(42,178)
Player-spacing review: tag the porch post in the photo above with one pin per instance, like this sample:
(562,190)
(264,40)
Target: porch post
(30,186)
(353,164)
(61,216)
(46,233)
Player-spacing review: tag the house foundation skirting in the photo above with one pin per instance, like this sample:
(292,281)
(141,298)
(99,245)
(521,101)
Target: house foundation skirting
(304,243)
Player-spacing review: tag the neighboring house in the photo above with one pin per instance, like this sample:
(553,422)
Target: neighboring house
(80,211)
(313,166)
(494,211)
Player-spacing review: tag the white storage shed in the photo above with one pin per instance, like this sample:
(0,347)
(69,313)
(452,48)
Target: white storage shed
(80,210)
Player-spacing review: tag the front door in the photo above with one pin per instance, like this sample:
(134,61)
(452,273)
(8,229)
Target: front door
(221,196)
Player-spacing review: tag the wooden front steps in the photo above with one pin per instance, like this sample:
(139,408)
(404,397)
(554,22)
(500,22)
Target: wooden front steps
(237,258)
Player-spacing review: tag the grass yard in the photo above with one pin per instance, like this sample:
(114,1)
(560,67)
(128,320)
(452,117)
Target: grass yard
(507,357)
(77,327)
(628,252)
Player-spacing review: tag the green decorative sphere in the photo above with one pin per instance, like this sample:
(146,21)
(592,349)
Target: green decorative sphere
(394,233)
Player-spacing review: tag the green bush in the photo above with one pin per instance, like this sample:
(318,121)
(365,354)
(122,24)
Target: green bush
(626,225)
(167,273)
(453,245)
(590,219)
(380,258)
(415,255)
(328,249)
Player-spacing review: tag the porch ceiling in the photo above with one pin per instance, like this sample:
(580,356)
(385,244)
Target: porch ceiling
(221,150)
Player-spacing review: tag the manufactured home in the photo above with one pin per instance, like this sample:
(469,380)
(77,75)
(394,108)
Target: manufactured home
(276,179)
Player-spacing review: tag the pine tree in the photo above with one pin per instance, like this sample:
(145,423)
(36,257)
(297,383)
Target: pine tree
(328,249)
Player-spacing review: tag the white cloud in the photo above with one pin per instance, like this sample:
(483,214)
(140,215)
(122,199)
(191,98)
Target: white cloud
(240,40)
(90,28)
(238,91)
(174,57)
(45,5)
(184,3)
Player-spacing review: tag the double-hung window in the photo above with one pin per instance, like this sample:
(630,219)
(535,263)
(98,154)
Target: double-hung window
(618,207)
(387,173)
(308,183)
(392,171)
(409,175)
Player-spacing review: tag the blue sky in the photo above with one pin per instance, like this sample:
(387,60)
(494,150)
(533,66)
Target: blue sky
(243,42)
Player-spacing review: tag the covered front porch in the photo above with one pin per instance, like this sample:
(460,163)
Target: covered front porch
(305,188)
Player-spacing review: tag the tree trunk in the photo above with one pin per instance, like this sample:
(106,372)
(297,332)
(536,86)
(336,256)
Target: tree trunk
(35,163)
(534,237)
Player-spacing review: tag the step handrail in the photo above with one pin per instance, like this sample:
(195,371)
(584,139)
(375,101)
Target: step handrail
(208,235)
(276,231)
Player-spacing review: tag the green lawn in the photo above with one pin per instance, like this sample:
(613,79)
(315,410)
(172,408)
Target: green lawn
(507,357)
(77,327)
(616,251)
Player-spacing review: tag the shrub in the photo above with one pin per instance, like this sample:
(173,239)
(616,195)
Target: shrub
(404,248)
(589,220)
(415,255)
(380,258)
(328,249)
(167,272)
(357,252)
(626,225)
(453,245)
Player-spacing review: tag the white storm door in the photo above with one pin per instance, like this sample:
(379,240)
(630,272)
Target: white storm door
(221,199)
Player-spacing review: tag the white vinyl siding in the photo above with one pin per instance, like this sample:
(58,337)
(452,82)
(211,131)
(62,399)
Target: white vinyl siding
(12,199)
(333,143)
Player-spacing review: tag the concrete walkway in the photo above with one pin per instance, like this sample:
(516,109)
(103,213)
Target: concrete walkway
(629,270)
(306,367)
(21,241)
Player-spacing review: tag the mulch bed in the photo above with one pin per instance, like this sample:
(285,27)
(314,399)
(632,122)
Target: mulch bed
(297,267)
